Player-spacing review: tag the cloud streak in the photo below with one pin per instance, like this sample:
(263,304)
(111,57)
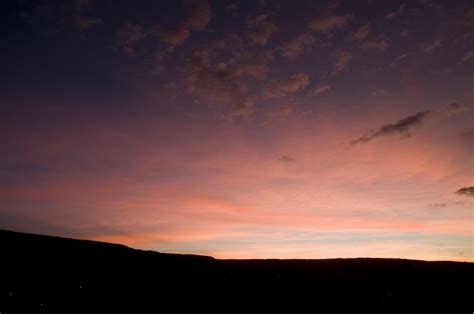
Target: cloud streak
(292,84)
(298,45)
(466,191)
(402,127)
(405,126)
(329,23)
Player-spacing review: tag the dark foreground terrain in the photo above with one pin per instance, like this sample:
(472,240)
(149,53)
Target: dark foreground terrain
(42,274)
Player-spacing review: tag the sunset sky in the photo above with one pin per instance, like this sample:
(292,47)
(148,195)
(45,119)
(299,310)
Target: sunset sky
(241,129)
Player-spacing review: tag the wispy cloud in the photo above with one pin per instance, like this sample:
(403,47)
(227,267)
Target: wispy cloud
(128,36)
(244,108)
(394,14)
(214,82)
(174,37)
(82,15)
(430,47)
(321,88)
(298,45)
(261,29)
(380,44)
(361,34)
(327,24)
(468,56)
(294,83)
(343,59)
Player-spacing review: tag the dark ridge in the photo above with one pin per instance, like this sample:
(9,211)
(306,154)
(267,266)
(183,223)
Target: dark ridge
(44,274)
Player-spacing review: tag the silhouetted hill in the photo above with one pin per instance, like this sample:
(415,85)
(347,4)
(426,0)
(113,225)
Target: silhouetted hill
(43,274)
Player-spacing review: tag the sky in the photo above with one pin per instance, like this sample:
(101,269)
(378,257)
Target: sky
(241,129)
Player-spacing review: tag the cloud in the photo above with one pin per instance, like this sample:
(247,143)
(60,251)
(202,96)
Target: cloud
(468,56)
(262,29)
(213,81)
(395,14)
(444,205)
(343,58)
(292,84)
(257,71)
(128,36)
(287,159)
(453,108)
(242,109)
(296,46)
(380,44)
(466,191)
(467,137)
(173,37)
(438,205)
(280,112)
(81,17)
(402,56)
(328,23)
(199,15)
(360,34)
(85,22)
(431,46)
(318,89)
(170,87)
(232,8)
(402,127)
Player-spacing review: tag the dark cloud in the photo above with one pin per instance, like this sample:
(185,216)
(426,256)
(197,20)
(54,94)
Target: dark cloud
(454,108)
(438,205)
(402,127)
(466,191)
(467,138)
(287,159)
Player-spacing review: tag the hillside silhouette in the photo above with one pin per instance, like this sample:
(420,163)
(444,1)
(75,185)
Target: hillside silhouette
(44,274)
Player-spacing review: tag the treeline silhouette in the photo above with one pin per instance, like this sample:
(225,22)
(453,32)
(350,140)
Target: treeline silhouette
(44,274)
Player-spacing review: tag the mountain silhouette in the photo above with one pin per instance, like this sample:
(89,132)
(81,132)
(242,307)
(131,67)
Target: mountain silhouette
(44,274)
